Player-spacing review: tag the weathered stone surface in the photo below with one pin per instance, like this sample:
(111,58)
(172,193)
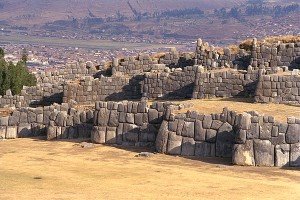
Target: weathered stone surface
(61,119)
(98,134)
(240,137)
(244,121)
(263,153)
(180,126)
(111,135)
(24,130)
(188,129)
(295,155)
(173,125)
(225,141)
(4,121)
(119,136)
(200,132)
(243,154)
(138,119)
(153,116)
(130,118)
(282,155)
(293,133)
(162,138)
(253,132)
(204,149)
(216,124)
(211,135)
(131,133)
(72,132)
(103,117)
(51,132)
(207,121)
(174,144)
(2,132)
(13,121)
(265,131)
(31,117)
(188,146)
(113,118)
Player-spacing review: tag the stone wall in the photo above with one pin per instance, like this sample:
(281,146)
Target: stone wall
(272,55)
(262,141)
(210,58)
(279,89)
(88,90)
(225,83)
(175,83)
(249,138)
(196,134)
(127,123)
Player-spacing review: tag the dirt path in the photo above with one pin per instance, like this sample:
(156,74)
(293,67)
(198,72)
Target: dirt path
(37,169)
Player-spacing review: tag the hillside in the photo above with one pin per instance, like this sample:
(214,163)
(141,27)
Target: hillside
(42,11)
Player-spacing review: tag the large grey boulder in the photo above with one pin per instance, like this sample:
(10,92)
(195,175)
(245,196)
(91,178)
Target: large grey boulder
(51,132)
(24,131)
(111,133)
(188,129)
(225,141)
(295,155)
(174,144)
(207,122)
(98,134)
(2,132)
(162,138)
(188,147)
(282,155)
(293,133)
(263,153)
(11,132)
(113,118)
(4,121)
(131,133)
(204,149)
(200,132)
(243,154)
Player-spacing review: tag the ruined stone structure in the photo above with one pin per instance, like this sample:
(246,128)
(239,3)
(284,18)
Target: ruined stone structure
(248,138)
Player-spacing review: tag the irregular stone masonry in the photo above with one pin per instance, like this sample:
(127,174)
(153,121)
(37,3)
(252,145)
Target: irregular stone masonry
(49,87)
(279,89)
(275,55)
(208,57)
(30,122)
(177,83)
(127,123)
(227,83)
(90,90)
(262,141)
(249,138)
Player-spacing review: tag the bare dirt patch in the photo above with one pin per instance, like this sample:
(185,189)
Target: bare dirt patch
(37,169)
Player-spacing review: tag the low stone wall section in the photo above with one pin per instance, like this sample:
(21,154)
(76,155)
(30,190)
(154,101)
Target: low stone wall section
(127,123)
(225,83)
(175,83)
(249,138)
(89,90)
(278,89)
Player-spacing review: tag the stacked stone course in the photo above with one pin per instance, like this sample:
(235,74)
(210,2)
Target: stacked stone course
(279,89)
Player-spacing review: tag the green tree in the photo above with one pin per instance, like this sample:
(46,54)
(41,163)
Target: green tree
(1,53)
(24,55)
(14,77)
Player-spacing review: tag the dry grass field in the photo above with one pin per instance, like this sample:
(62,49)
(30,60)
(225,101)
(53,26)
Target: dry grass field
(38,169)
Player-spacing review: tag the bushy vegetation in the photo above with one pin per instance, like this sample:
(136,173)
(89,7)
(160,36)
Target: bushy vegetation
(14,77)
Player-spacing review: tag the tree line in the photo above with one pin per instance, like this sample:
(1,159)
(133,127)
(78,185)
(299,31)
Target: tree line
(15,76)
